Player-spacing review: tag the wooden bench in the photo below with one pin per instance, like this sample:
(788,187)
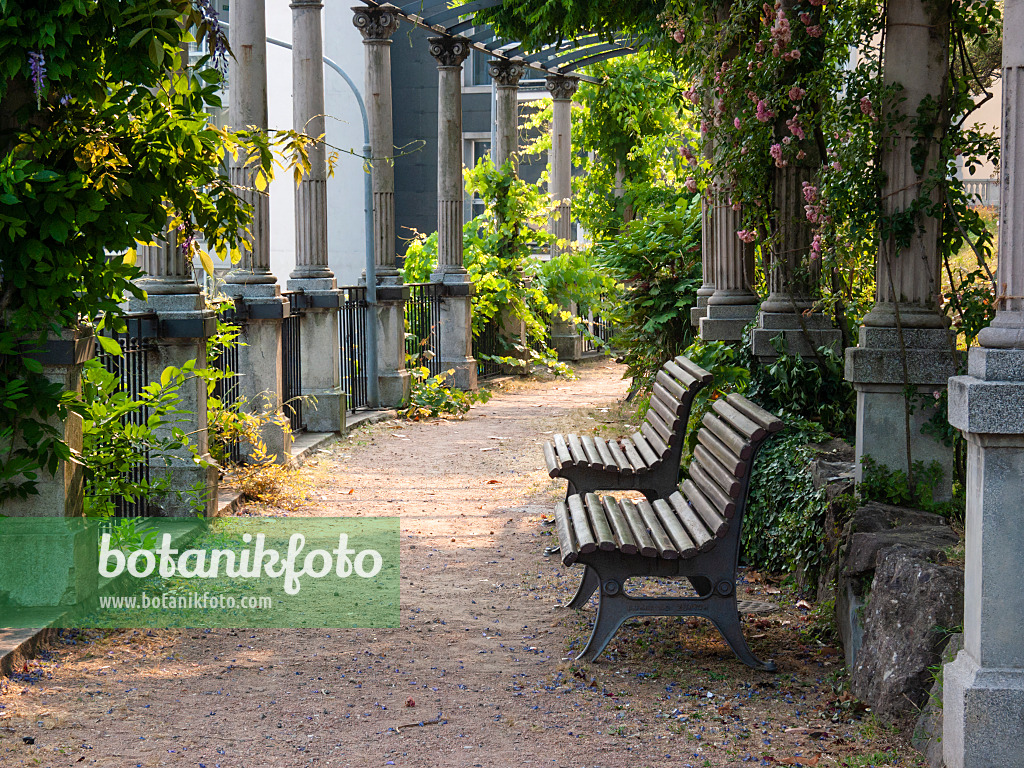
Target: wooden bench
(693,534)
(648,461)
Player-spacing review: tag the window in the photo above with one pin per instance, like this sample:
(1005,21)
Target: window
(475,150)
(476,69)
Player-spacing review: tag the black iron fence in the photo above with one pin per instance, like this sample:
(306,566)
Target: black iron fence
(489,344)
(227,389)
(352,331)
(423,325)
(132,369)
(291,361)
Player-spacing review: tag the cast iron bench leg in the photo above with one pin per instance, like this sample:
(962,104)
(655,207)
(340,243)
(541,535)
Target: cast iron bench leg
(612,610)
(727,621)
(588,585)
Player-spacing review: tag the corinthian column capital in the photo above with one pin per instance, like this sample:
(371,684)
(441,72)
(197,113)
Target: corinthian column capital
(562,86)
(376,24)
(449,51)
(506,73)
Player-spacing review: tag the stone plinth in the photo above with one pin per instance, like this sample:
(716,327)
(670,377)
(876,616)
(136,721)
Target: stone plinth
(392,377)
(321,355)
(47,562)
(875,367)
(983,695)
(457,336)
(565,336)
(725,322)
(802,334)
(59,494)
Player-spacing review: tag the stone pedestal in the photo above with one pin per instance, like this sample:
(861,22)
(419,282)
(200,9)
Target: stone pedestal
(801,334)
(184,328)
(393,379)
(875,367)
(59,494)
(565,336)
(46,563)
(983,692)
(457,335)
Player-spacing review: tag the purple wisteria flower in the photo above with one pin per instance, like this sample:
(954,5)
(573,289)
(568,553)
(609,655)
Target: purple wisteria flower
(217,40)
(186,239)
(37,65)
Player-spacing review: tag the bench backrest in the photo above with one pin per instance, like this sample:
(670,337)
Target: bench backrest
(664,427)
(719,474)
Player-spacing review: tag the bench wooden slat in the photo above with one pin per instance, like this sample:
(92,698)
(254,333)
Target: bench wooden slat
(755,413)
(664,430)
(550,460)
(624,539)
(750,429)
(736,467)
(581,527)
(666,547)
(731,438)
(620,458)
(684,377)
(662,395)
(674,388)
(653,439)
(639,465)
(593,457)
(605,454)
(576,450)
(644,449)
(701,375)
(674,528)
(719,474)
(712,490)
(601,527)
(644,542)
(567,543)
(717,524)
(702,538)
(562,450)
(667,414)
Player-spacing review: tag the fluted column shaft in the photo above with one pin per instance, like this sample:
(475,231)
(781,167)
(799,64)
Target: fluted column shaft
(916,57)
(449,52)
(562,88)
(248,107)
(377,25)
(308,118)
(506,75)
(792,275)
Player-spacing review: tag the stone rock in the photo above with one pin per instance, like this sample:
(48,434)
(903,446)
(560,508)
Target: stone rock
(833,470)
(927,736)
(872,528)
(912,603)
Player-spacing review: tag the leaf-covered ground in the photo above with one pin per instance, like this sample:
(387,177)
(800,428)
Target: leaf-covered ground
(480,672)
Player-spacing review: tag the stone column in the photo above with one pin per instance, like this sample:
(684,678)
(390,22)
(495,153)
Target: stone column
(506,75)
(565,337)
(184,325)
(983,689)
(707,263)
(251,280)
(793,269)
(733,304)
(456,308)
(377,25)
(319,321)
(904,341)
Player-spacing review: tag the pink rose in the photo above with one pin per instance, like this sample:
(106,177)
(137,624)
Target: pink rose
(796,93)
(691,185)
(810,192)
(746,235)
(678,36)
(815,31)
(736,122)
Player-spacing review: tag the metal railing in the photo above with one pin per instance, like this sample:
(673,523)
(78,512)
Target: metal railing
(488,343)
(352,337)
(291,361)
(423,324)
(228,389)
(595,333)
(132,369)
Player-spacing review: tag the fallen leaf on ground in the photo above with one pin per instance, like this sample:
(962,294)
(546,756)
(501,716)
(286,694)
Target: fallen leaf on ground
(804,604)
